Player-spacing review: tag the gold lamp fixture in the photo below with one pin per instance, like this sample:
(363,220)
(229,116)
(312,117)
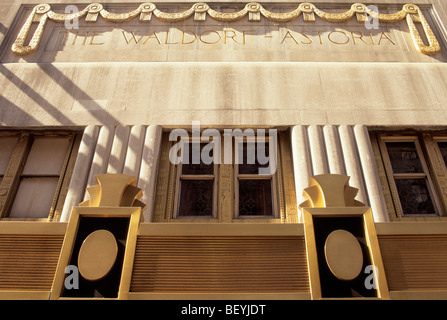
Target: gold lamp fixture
(100,240)
(341,242)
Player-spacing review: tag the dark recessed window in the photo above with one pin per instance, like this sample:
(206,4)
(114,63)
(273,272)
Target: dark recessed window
(410,177)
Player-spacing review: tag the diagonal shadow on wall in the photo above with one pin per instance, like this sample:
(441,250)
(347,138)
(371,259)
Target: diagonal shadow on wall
(9,109)
(73,90)
(78,94)
(35,96)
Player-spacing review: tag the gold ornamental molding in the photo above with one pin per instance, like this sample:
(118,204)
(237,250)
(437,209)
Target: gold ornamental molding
(42,12)
(330,191)
(98,250)
(114,190)
(342,248)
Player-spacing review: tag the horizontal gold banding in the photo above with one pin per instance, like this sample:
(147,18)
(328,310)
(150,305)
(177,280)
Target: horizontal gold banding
(413,228)
(220,229)
(220,296)
(32,228)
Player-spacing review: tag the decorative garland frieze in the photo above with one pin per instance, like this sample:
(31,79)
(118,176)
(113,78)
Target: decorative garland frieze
(42,12)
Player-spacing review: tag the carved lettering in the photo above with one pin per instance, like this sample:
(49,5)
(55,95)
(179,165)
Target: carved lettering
(76,38)
(355,35)
(307,37)
(319,36)
(231,37)
(63,38)
(246,32)
(167,38)
(384,35)
(190,33)
(330,37)
(153,35)
(82,39)
(134,37)
(371,37)
(92,39)
(178,37)
(222,33)
(287,36)
(207,42)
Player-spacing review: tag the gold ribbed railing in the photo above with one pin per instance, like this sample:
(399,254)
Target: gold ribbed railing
(220,264)
(216,259)
(29,253)
(415,262)
(28,262)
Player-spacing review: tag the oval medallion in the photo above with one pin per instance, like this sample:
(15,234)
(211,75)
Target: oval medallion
(343,255)
(97,255)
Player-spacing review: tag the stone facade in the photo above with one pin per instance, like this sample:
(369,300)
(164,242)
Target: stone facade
(333,86)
